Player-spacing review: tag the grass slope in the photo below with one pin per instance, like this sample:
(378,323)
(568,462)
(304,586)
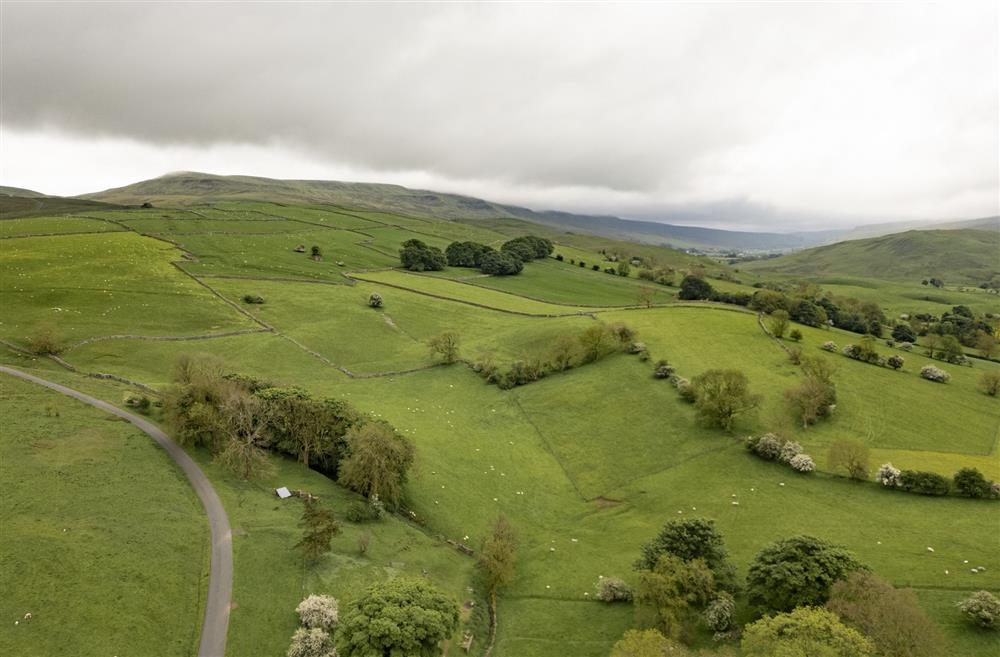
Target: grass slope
(967,256)
(95,518)
(103,284)
(588,464)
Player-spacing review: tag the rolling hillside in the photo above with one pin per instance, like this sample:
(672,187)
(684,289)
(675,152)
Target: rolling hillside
(186,188)
(960,256)
(25,203)
(18,191)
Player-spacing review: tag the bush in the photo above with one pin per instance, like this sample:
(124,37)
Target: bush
(528,247)
(559,257)
(849,456)
(722,395)
(360,513)
(905,346)
(311,643)
(598,268)
(895,361)
(466,254)
(796,572)
(496,263)
(983,609)
(720,613)
(789,450)
(253,299)
(924,483)
(935,374)
(417,256)
(690,539)
(375,300)
(318,611)
(889,476)
(137,401)
(890,617)
(795,335)
(970,482)
(445,346)
(777,323)
(804,632)
(685,389)
(802,463)
(989,383)
(829,345)
(663,370)
(613,589)
(695,288)
(418,616)
(767,446)
(45,342)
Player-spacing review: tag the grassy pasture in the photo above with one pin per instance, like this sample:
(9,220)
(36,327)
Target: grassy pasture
(326,216)
(588,464)
(475,294)
(28,226)
(395,336)
(274,255)
(151,362)
(561,282)
(196,225)
(95,518)
(103,284)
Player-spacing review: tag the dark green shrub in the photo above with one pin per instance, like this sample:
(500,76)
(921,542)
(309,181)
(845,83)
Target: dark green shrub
(695,288)
(596,267)
(970,482)
(797,571)
(252,298)
(795,335)
(924,483)
(417,256)
(663,370)
(559,257)
(359,512)
(497,263)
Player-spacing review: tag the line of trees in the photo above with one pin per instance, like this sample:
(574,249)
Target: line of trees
(565,352)
(241,419)
(509,260)
(809,597)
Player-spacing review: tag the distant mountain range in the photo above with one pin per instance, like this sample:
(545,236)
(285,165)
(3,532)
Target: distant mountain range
(192,188)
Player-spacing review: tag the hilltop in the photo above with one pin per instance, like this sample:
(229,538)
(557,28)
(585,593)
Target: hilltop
(190,188)
(965,255)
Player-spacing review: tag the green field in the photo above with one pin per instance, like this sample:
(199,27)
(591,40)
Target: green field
(95,518)
(28,226)
(587,464)
(104,284)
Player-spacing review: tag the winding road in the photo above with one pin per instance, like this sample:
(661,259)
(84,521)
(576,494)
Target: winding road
(220,581)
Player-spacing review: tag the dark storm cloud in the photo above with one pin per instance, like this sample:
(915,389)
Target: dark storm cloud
(832,109)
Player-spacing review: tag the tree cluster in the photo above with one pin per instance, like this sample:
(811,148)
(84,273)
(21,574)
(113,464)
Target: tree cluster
(415,255)
(241,418)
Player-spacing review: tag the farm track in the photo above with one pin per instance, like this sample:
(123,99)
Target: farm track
(215,625)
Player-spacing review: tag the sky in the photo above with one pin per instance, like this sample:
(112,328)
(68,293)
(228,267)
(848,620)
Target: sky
(777,116)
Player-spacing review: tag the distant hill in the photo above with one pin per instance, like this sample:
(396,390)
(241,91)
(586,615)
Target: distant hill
(18,191)
(19,205)
(186,188)
(875,230)
(968,256)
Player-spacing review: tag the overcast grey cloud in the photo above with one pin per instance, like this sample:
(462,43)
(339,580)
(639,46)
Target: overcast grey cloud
(744,112)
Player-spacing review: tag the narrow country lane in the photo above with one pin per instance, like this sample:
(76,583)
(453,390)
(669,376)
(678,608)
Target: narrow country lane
(220,582)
